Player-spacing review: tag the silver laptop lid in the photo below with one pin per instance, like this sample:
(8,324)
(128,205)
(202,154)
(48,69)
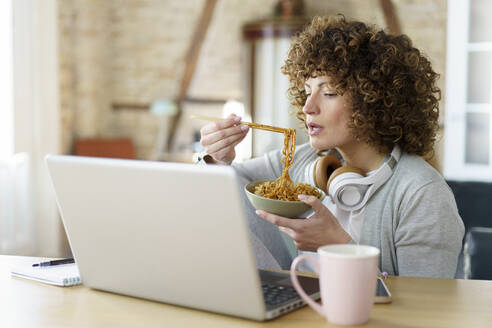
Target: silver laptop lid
(169,232)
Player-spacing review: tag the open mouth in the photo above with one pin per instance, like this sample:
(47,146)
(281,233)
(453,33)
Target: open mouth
(314,129)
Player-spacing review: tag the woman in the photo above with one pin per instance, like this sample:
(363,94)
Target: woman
(369,98)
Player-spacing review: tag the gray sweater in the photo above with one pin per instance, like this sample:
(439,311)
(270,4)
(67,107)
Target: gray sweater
(412,218)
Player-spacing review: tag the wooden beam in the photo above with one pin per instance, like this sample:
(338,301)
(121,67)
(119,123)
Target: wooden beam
(191,61)
(391,17)
(146,106)
(196,44)
(139,106)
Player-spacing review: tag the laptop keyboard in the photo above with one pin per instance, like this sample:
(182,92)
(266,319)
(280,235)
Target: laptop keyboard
(275,294)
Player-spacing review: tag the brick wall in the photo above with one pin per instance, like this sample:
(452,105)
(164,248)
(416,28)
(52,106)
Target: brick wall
(132,51)
(85,76)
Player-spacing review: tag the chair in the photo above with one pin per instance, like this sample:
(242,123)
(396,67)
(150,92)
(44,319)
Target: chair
(478,254)
(474,201)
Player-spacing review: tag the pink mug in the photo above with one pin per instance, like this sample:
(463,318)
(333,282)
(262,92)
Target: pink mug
(347,280)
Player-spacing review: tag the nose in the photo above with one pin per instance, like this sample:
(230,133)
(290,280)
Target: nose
(311,106)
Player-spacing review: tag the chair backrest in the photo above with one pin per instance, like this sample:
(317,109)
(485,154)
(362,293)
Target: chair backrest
(477,254)
(474,201)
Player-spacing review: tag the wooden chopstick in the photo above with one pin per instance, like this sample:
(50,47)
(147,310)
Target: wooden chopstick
(250,124)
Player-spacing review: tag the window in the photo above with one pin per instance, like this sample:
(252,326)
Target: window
(6,81)
(468,121)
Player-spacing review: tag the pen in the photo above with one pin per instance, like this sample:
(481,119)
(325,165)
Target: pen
(54,262)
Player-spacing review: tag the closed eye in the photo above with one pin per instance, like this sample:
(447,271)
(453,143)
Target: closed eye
(330,94)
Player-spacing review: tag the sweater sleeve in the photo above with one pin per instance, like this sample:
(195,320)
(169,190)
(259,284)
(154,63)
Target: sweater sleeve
(267,168)
(429,234)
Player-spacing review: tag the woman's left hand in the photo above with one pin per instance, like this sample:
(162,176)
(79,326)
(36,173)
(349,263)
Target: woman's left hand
(320,229)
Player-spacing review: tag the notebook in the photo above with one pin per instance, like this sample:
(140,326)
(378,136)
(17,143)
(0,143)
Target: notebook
(59,275)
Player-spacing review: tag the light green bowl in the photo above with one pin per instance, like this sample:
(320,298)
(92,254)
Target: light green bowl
(289,209)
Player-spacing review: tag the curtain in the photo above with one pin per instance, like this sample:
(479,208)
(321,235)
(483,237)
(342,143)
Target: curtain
(36,130)
(17,233)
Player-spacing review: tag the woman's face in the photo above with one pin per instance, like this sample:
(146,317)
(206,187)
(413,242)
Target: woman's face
(326,116)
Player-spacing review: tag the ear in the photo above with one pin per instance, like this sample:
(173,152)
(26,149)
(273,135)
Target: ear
(323,168)
(341,170)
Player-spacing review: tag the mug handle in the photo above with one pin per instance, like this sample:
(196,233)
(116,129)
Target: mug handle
(295,281)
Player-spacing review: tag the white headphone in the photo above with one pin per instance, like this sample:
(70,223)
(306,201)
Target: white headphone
(348,187)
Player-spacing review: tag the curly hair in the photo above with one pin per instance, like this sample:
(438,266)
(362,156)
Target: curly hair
(391,86)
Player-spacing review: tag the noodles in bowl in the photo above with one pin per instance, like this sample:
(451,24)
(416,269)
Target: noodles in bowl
(283,188)
(286,208)
(281,195)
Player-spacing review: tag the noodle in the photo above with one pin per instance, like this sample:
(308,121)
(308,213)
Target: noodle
(283,188)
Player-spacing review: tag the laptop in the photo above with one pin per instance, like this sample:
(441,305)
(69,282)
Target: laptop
(169,232)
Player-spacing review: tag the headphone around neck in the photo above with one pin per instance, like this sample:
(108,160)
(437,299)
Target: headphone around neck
(349,187)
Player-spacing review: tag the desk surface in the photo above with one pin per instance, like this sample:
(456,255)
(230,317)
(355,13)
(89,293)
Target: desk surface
(417,302)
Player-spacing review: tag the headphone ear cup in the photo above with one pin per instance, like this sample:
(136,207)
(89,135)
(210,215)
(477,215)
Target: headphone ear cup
(341,170)
(323,169)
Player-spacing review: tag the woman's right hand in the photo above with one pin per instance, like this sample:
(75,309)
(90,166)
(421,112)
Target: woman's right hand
(219,138)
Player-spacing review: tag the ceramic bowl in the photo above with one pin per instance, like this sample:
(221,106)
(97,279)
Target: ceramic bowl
(290,209)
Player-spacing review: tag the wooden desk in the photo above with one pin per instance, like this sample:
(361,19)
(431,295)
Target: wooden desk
(417,302)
